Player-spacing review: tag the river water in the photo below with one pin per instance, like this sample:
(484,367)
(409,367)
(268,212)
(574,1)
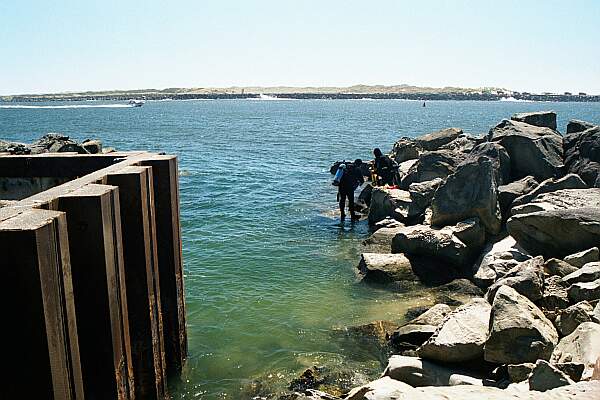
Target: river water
(269,273)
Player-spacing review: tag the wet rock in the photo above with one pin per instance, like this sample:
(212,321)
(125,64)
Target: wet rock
(461,336)
(384,268)
(545,377)
(431,165)
(433,141)
(570,318)
(581,346)
(456,246)
(576,125)
(508,193)
(405,149)
(570,181)
(533,150)
(418,330)
(555,295)
(519,331)
(393,203)
(519,372)
(557,233)
(365,195)
(310,379)
(589,272)
(544,119)
(582,155)
(554,266)
(381,240)
(527,278)
(581,291)
(469,192)
(583,257)
(496,260)
(421,194)
(419,372)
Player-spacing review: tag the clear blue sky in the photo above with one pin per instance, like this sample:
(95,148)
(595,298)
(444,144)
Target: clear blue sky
(49,46)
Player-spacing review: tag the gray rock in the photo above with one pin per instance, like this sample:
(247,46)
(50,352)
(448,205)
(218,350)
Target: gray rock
(463,143)
(92,146)
(381,240)
(583,257)
(432,141)
(496,260)
(554,266)
(570,181)
(461,336)
(571,317)
(576,125)
(589,272)
(404,168)
(581,346)
(519,331)
(405,149)
(527,278)
(383,268)
(561,199)
(469,192)
(497,155)
(365,195)
(533,150)
(418,330)
(418,372)
(456,246)
(581,291)
(597,312)
(384,388)
(545,377)
(431,165)
(572,369)
(582,155)
(555,295)
(508,193)
(557,233)
(421,194)
(392,203)
(545,119)
(519,372)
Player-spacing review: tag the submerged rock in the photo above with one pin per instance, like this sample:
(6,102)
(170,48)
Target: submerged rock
(519,331)
(384,268)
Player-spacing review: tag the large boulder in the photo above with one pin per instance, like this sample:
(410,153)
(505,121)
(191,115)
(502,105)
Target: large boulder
(569,181)
(384,268)
(381,240)
(544,119)
(582,346)
(571,317)
(576,125)
(560,200)
(434,140)
(463,143)
(384,388)
(431,165)
(555,295)
(405,149)
(589,272)
(581,291)
(527,278)
(470,192)
(554,266)
(519,331)
(455,246)
(557,232)
(421,194)
(508,193)
(497,155)
(385,202)
(56,143)
(496,260)
(419,372)
(582,155)
(583,257)
(533,150)
(545,377)
(461,335)
(418,330)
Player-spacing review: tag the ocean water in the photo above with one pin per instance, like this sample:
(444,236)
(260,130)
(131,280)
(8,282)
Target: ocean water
(269,272)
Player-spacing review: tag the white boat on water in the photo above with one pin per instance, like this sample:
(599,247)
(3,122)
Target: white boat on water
(136,103)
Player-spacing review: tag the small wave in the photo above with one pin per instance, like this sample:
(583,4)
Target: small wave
(20,106)
(515,100)
(264,97)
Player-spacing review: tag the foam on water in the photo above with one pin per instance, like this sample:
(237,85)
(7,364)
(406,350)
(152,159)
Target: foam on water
(51,107)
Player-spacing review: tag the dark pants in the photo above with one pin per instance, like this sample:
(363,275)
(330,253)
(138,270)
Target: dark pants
(343,195)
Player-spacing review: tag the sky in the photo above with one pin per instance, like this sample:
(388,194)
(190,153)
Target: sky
(535,46)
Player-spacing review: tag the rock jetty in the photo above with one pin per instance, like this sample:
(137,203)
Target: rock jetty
(515,212)
(54,143)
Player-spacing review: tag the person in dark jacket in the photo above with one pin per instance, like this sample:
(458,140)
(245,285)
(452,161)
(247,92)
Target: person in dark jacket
(385,168)
(351,179)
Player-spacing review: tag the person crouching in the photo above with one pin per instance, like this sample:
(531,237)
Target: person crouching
(351,179)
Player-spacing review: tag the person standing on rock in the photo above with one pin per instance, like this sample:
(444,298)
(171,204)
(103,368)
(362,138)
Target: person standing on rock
(351,179)
(385,168)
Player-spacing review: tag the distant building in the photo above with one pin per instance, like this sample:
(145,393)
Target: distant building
(582,94)
(568,94)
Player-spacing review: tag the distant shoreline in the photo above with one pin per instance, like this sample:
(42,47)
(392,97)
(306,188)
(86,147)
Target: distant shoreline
(327,96)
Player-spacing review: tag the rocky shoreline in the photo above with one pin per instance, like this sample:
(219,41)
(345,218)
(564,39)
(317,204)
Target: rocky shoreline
(511,220)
